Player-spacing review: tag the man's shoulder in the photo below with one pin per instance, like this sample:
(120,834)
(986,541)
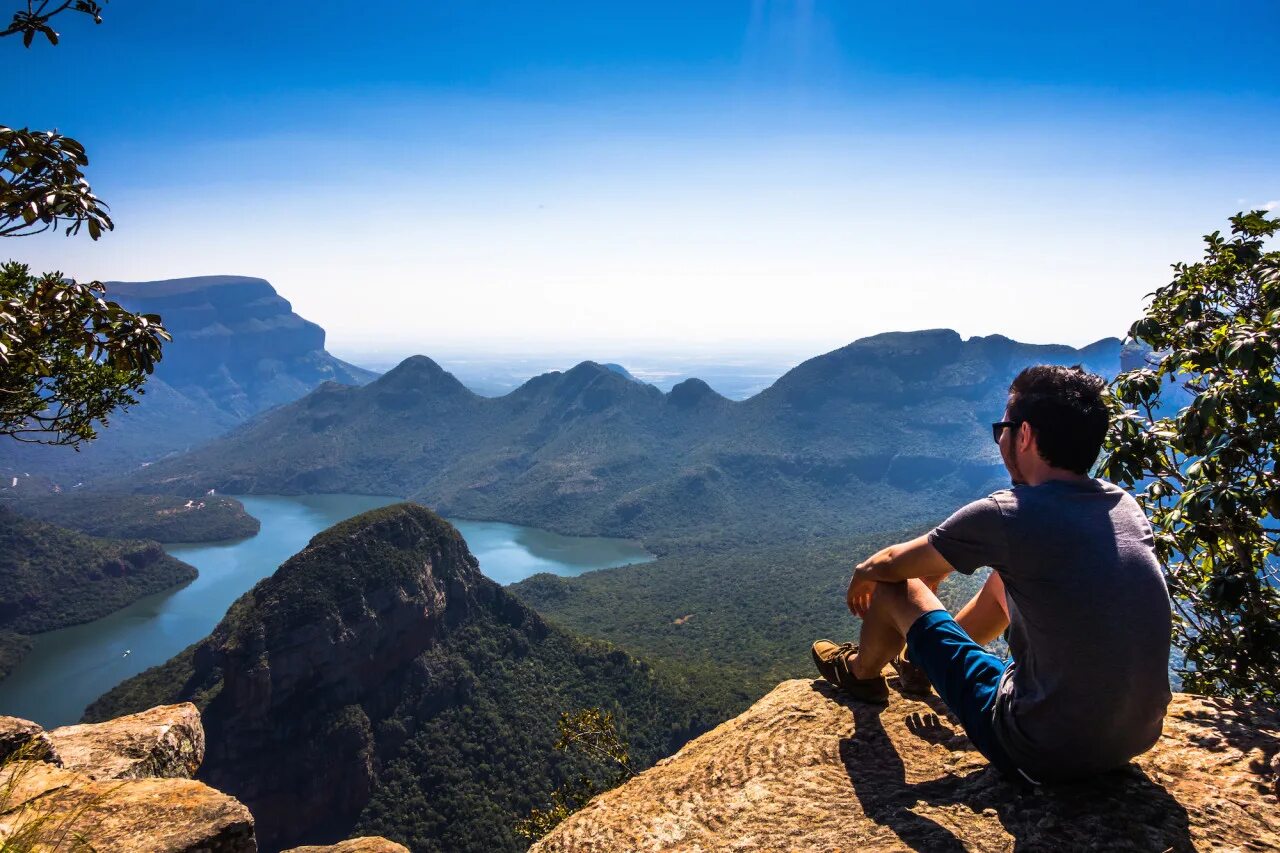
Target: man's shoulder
(1005,500)
(980,511)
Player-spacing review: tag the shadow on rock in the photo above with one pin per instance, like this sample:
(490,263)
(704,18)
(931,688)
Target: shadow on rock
(1121,810)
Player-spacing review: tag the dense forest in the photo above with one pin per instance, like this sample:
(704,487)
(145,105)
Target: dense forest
(734,623)
(51,577)
(164,518)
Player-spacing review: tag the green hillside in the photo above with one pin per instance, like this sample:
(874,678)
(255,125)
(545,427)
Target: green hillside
(888,432)
(51,577)
(164,518)
(378,683)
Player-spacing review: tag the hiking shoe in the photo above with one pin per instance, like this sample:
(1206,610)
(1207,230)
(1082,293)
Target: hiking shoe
(913,680)
(833,660)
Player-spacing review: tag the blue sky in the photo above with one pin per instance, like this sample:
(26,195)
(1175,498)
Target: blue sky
(428,176)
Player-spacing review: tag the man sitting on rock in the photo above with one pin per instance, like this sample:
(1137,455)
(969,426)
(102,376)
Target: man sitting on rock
(1075,580)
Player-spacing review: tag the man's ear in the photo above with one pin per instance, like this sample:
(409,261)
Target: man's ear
(1026,437)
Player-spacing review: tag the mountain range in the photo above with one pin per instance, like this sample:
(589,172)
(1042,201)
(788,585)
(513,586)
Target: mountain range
(881,433)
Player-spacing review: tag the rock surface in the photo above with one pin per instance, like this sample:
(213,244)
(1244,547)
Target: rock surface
(163,742)
(17,733)
(116,788)
(153,815)
(803,769)
(368,844)
(21,781)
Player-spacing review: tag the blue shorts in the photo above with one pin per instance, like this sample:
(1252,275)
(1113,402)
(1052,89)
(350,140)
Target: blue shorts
(967,678)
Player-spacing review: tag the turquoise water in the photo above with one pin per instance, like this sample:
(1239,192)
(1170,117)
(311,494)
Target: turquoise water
(69,668)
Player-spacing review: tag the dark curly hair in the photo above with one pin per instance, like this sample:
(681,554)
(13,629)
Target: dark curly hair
(1064,406)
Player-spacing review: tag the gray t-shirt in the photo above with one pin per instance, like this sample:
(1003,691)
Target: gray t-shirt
(1090,622)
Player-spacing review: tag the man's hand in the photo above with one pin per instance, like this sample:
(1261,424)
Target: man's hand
(859,596)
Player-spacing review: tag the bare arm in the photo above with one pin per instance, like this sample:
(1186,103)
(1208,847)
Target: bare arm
(897,563)
(914,559)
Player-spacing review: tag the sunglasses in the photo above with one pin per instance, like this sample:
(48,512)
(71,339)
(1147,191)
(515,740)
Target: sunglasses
(998,427)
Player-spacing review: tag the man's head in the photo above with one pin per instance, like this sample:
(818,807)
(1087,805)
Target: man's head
(1059,422)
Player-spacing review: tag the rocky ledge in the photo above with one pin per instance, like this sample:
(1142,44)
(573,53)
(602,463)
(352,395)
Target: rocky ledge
(124,785)
(804,769)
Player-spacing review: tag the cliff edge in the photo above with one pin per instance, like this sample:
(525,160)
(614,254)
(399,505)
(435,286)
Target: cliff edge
(125,785)
(805,769)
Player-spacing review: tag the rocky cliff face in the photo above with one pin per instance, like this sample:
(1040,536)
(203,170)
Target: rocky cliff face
(296,657)
(237,345)
(124,785)
(805,770)
(238,349)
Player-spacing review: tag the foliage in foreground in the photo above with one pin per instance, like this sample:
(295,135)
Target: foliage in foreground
(68,357)
(1206,475)
(32,827)
(33,17)
(593,733)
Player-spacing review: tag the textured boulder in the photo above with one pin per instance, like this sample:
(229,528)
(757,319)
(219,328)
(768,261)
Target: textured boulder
(121,785)
(22,781)
(153,815)
(368,844)
(163,742)
(803,769)
(19,734)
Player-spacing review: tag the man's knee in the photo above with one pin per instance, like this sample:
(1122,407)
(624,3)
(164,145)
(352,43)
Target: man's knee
(906,602)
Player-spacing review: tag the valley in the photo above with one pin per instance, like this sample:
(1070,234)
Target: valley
(379,683)
(67,669)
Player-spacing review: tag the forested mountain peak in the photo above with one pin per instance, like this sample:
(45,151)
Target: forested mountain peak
(692,392)
(403,551)
(353,688)
(906,367)
(419,373)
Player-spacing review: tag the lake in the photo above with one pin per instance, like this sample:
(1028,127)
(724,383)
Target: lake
(69,668)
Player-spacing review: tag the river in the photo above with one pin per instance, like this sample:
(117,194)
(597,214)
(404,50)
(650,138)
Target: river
(69,668)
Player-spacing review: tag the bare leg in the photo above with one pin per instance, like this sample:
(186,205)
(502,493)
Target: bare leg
(894,608)
(985,616)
